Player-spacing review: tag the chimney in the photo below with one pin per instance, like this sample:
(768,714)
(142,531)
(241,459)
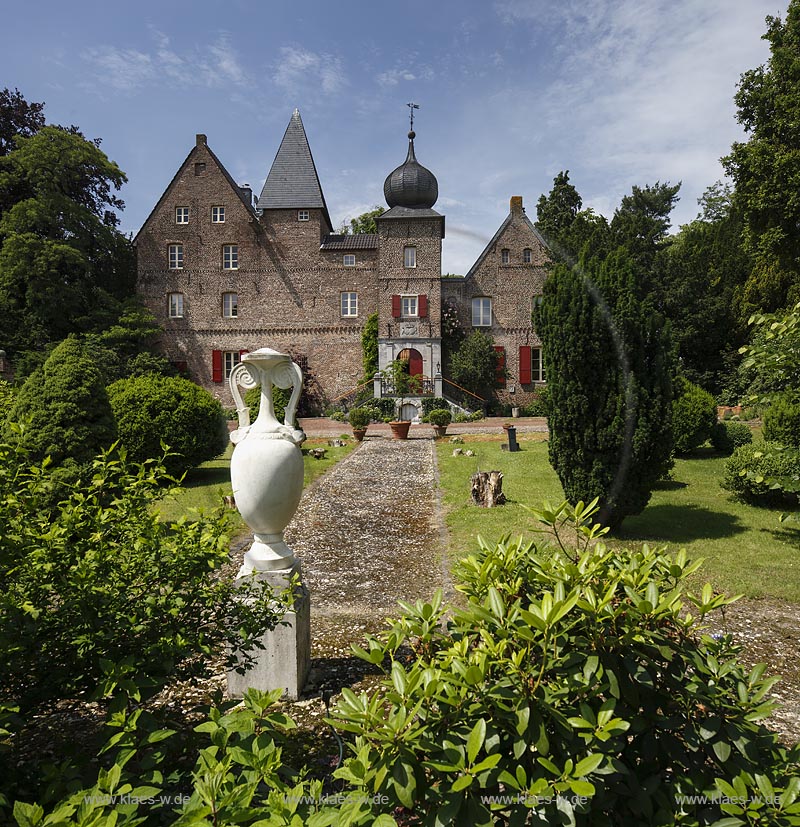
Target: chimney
(247,192)
(200,139)
(516,205)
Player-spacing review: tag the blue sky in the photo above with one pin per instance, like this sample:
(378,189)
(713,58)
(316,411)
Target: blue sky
(620,92)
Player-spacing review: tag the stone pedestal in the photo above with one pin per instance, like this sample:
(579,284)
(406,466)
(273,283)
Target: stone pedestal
(285,660)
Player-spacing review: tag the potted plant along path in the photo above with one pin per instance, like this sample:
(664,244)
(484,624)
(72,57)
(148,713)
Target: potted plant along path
(359,419)
(440,419)
(403,383)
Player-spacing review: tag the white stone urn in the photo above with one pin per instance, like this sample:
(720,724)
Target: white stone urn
(267,464)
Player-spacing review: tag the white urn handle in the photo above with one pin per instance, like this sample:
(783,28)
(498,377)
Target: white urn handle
(289,375)
(240,375)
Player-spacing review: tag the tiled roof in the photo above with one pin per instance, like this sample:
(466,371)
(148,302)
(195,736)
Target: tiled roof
(359,241)
(293,182)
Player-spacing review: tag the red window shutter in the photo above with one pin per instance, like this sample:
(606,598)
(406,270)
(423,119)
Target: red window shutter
(216,365)
(501,365)
(525,365)
(422,306)
(396,307)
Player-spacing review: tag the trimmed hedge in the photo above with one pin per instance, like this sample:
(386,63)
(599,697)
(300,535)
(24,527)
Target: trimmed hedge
(153,409)
(728,436)
(694,415)
(754,473)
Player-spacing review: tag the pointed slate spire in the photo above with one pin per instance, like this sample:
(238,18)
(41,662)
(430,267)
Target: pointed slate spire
(293,182)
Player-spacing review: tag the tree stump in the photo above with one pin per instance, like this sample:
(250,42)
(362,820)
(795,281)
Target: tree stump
(487,488)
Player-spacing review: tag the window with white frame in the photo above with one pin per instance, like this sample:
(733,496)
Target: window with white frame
(303,215)
(175,302)
(505,256)
(218,215)
(181,215)
(349,304)
(176,256)
(349,260)
(231,358)
(230,257)
(230,305)
(409,257)
(482,312)
(527,255)
(537,365)
(409,306)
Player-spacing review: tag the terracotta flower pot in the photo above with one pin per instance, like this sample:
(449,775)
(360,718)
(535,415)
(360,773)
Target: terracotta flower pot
(441,431)
(359,433)
(400,429)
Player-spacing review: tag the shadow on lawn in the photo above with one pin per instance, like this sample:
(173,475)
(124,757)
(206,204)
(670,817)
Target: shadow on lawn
(679,524)
(214,475)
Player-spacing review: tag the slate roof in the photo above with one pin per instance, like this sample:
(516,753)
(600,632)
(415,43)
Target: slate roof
(359,241)
(293,182)
(496,238)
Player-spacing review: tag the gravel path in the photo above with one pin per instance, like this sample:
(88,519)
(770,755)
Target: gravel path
(368,533)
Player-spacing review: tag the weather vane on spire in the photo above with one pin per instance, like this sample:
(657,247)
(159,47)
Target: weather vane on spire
(412,107)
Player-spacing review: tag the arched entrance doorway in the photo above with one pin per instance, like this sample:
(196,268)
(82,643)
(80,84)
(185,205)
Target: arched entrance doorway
(414,359)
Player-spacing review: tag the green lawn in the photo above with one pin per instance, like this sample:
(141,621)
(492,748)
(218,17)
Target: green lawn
(746,549)
(205,486)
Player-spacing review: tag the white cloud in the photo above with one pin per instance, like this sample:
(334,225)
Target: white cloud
(394,76)
(213,65)
(641,90)
(300,68)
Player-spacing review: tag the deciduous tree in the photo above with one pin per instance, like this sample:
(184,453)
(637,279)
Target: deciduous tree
(766,167)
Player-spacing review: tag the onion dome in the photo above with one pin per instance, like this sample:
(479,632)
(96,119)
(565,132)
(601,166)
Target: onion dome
(411,184)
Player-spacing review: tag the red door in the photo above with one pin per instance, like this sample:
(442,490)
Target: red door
(414,362)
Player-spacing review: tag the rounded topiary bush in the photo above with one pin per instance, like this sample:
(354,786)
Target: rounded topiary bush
(153,409)
(753,471)
(728,436)
(360,418)
(64,409)
(440,417)
(782,421)
(694,415)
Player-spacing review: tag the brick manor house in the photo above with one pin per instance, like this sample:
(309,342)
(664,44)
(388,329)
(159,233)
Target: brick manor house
(225,273)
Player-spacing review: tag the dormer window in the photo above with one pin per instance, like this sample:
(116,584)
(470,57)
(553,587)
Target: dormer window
(303,215)
(505,256)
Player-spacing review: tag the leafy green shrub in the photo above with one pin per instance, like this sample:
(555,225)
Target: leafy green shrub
(7,397)
(280,399)
(440,416)
(782,421)
(764,473)
(728,435)
(694,415)
(151,410)
(539,405)
(560,693)
(338,416)
(432,403)
(384,407)
(101,599)
(360,418)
